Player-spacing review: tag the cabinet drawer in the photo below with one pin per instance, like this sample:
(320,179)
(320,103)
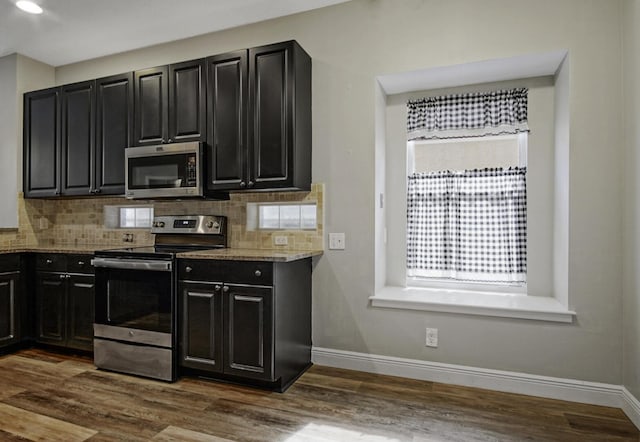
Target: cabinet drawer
(240,272)
(79,264)
(54,262)
(9,262)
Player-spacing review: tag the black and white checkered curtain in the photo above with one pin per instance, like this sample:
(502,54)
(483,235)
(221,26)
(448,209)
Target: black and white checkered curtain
(468,225)
(468,115)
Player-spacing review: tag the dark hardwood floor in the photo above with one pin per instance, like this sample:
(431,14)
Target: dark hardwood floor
(49,397)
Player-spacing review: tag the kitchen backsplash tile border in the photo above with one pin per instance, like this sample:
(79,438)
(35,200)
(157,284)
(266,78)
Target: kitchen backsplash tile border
(79,221)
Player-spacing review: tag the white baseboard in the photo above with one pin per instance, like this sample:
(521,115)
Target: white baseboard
(511,382)
(631,406)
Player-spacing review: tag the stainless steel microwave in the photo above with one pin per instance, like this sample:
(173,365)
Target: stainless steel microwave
(163,171)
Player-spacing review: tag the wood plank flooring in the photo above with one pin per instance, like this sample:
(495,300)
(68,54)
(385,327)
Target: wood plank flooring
(49,397)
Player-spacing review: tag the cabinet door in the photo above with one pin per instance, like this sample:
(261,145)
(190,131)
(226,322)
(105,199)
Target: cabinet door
(201,340)
(50,299)
(187,101)
(227,121)
(114,124)
(248,333)
(151,106)
(9,313)
(78,138)
(80,311)
(271,110)
(41,143)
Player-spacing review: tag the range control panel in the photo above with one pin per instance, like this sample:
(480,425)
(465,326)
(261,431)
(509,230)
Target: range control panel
(191,224)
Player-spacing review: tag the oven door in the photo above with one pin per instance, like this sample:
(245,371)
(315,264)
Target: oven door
(135,294)
(163,171)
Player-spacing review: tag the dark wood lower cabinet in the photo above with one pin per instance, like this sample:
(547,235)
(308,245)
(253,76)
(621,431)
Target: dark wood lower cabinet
(246,321)
(11,304)
(80,311)
(50,298)
(248,334)
(201,326)
(65,302)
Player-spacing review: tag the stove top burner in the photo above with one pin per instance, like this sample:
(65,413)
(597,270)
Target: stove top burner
(155,252)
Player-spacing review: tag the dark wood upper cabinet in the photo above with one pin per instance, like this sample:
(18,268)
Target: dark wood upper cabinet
(41,143)
(114,125)
(77,137)
(251,107)
(280,117)
(227,120)
(151,106)
(169,104)
(187,101)
(259,119)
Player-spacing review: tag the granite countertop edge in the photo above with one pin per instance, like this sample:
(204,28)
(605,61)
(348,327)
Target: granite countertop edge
(251,254)
(227,254)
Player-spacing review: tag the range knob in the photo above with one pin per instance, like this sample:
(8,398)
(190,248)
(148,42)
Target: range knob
(158,224)
(213,225)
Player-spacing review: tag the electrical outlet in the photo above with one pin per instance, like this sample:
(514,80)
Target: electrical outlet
(336,241)
(432,337)
(280,240)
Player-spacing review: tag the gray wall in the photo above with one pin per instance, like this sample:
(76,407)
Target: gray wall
(353,43)
(631,231)
(8,142)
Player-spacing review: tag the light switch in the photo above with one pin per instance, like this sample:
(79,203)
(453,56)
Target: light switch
(336,241)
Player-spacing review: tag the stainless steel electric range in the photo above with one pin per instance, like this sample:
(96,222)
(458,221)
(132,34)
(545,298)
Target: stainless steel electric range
(136,296)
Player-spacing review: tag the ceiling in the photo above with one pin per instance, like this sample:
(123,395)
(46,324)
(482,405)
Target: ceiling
(74,30)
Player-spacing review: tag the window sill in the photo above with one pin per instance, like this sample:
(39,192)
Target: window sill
(518,306)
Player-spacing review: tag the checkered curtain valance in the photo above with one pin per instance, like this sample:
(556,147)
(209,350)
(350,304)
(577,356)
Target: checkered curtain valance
(468,115)
(468,225)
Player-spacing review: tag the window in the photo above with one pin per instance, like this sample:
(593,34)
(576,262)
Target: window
(128,217)
(466,193)
(270,216)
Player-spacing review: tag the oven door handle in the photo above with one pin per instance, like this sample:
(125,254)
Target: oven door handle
(133,264)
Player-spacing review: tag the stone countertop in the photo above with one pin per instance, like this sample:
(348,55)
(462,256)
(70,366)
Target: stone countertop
(251,254)
(219,254)
(84,248)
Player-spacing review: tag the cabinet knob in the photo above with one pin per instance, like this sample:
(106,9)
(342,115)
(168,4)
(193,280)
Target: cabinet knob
(188,269)
(243,184)
(225,289)
(80,263)
(48,261)
(258,273)
(63,276)
(216,288)
(251,183)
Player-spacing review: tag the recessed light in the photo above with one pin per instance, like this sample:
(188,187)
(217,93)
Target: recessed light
(29,7)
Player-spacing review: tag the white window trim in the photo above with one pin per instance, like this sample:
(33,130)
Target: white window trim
(552,307)
(519,306)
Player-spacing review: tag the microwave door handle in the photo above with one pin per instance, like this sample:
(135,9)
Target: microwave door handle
(133,264)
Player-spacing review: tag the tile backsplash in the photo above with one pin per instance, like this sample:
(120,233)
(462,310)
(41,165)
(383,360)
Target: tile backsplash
(79,221)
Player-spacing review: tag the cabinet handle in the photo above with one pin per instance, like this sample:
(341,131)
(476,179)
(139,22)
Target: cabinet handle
(225,289)
(250,184)
(80,263)
(217,288)
(188,269)
(258,273)
(243,184)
